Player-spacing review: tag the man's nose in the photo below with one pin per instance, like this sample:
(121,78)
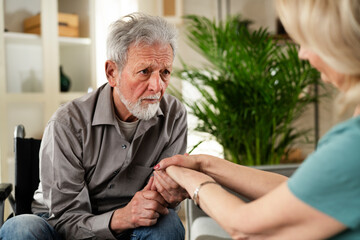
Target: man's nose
(155,82)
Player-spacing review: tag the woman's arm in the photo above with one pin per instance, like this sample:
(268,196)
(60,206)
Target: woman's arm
(251,183)
(276,215)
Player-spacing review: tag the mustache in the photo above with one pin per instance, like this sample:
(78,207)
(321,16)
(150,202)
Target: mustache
(156,96)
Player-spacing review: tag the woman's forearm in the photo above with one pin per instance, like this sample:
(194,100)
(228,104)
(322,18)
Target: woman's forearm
(277,215)
(247,181)
(209,196)
(250,182)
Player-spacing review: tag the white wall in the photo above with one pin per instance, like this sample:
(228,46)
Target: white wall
(262,12)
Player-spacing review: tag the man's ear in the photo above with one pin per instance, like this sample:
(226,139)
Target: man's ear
(111,71)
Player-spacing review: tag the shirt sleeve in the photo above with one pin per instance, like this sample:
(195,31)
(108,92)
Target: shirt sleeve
(64,189)
(329,179)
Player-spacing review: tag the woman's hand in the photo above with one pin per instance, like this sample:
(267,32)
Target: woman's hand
(187,178)
(194,162)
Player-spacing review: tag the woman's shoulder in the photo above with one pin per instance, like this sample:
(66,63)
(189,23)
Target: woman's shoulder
(345,132)
(350,124)
(337,152)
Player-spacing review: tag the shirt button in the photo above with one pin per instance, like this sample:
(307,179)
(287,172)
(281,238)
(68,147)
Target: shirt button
(124,146)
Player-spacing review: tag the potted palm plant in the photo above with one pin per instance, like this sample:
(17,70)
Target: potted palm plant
(252,89)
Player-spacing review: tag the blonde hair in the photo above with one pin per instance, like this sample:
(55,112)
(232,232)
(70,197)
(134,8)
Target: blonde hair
(331,29)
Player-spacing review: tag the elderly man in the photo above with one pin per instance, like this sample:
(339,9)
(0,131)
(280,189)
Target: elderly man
(98,151)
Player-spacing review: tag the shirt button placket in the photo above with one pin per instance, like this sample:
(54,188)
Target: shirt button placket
(125,147)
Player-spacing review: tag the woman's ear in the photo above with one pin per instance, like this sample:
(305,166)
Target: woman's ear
(111,71)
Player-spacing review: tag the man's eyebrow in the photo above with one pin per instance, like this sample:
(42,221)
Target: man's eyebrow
(151,65)
(141,66)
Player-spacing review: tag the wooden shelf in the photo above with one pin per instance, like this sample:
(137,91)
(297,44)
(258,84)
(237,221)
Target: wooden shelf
(70,41)
(29,66)
(68,96)
(26,97)
(35,38)
(22,37)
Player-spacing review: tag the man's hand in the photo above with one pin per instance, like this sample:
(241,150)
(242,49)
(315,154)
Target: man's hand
(168,188)
(143,210)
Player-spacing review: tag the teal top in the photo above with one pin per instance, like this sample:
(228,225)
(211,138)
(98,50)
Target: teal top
(329,179)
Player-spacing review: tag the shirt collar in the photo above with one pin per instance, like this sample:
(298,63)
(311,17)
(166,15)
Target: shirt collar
(104,110)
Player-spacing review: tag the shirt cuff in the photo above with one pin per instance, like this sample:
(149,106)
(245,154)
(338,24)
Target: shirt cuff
(101,226)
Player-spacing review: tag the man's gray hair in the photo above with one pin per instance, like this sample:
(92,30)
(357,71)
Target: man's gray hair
(137,28)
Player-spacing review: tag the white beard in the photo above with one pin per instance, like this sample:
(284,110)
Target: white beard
(141,112)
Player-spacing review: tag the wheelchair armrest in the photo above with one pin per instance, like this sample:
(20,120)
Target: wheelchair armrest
(5,190)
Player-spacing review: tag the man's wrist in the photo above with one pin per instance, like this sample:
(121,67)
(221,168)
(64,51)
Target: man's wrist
(174,205)
(117,223)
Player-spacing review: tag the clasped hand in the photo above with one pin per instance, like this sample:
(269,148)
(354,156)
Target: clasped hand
(172,193)
(149,204)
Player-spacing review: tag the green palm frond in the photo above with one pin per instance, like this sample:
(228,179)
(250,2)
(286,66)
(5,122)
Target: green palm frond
(250,89)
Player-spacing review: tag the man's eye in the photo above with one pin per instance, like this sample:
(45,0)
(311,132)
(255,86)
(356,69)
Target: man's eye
(166,72)
(144,71)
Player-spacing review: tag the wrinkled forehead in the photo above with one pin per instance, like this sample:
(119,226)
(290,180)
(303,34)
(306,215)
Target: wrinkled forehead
(155,55)
(146,42)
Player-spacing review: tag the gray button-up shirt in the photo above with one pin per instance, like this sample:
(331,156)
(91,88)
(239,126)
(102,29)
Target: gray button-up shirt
(88,169)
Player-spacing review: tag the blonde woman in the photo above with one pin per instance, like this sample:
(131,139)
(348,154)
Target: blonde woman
(322,199)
